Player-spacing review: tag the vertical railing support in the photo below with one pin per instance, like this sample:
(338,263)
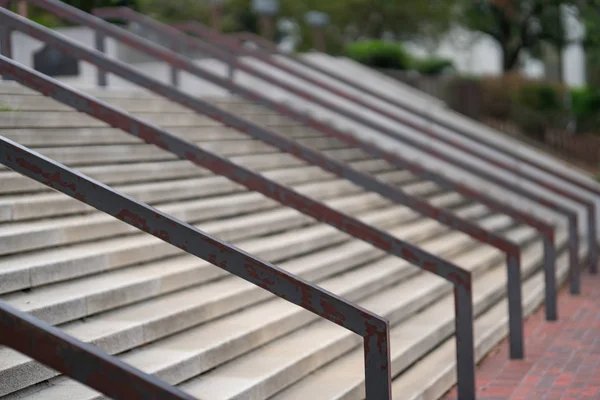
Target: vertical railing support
(101,47)
(592,239)
(574,279)
(515,308)
(5,40)
(465,351)
(174,70)
(550,276)
(377,350)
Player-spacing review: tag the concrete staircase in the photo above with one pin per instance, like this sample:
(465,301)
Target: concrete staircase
(192,324)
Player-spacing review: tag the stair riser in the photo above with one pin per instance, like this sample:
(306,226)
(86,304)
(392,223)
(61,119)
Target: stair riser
(192,317)
(56,137)
(56,204)
(93,155)
(12,182)
(73,119)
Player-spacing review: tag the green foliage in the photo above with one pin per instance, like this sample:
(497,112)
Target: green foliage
(585,102)
(391,55)
(89,5)
(531,122)
(540,96)
(175,10)
(379,54)
(45,19)
(433,66)
(6,108)
(586,109)
(49,20)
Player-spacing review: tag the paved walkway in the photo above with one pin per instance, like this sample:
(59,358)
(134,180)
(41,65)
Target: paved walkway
(562,358)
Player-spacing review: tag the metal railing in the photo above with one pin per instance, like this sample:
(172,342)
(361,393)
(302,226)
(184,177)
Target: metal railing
(510,249)
(254,95)
(104,373)
(545,229)
(71,357)
(266,47)
(232,48)
(241,264)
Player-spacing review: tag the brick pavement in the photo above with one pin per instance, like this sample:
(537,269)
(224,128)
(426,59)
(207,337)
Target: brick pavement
(562,358)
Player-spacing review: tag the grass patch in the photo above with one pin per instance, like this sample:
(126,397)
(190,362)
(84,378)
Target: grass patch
(6,108)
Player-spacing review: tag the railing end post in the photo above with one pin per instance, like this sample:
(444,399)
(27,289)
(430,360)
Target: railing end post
(465,344)
(100,40)
(515,308)
(378,378)
(550,276)
(574,276)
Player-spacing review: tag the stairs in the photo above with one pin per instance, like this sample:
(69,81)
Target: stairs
(190,323)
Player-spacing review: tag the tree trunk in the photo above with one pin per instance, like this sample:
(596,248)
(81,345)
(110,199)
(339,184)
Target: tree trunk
(509,59)
(560,64)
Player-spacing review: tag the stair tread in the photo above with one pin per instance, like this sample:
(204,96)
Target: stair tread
(155,356)
(97,327)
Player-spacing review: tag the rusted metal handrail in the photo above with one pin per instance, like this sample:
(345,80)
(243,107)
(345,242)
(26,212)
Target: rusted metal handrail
(234,49)
(77,360)
(510,249)
(266,46)
(264,275)
(374,329)
(190,43)
(546,230)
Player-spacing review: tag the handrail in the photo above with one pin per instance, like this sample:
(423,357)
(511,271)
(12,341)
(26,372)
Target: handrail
(545,229)
(374,329)
(183,63)
(269,47)
(511,250)
(332,106)
(265,275)
(75,359)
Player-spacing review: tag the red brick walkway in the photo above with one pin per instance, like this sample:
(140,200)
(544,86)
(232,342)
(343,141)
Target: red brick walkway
(562,358)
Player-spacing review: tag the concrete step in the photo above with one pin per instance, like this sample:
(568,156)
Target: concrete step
(33,102)
(72,119)
(116,336)
(30,235)
(134,103)
(262,223)
(435,374)
(12,182)
(17,207)
(52,137)
(107,154)
(292,357)
(46,266)
(414,338)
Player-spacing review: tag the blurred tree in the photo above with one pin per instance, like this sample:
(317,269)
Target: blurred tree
(590,15)
(554,30)
(513,24)
(349,19)
(375,19)
(88,5)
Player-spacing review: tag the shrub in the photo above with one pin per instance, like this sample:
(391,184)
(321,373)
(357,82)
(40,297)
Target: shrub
(541,97)
(433,66)
(47,20)
(531,122)
(463,94)
(379,54)
(496,96)
(586,109)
